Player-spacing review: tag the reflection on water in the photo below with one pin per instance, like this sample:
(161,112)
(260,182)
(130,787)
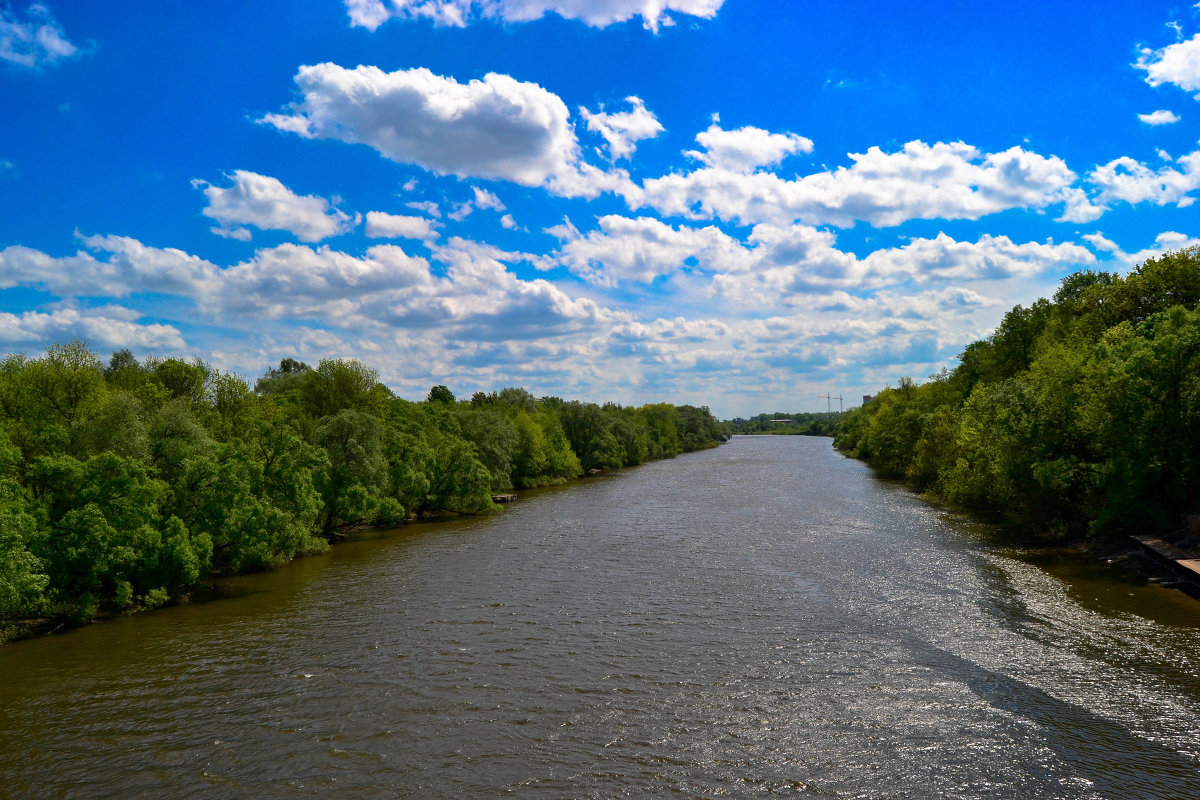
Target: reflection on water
(766,618)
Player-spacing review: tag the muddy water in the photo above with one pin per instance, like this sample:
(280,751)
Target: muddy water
(763,619)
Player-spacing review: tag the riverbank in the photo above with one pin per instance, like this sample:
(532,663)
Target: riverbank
(13,630)
(125,487)
(1116,550)
(1077,419)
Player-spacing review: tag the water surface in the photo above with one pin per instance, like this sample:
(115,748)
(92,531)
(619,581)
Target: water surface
(764,619)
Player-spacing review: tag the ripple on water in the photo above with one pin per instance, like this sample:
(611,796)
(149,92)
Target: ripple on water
(762,619)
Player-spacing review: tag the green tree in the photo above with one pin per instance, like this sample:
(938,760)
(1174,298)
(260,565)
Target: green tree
(351,486)
(342,384)
(495,439)
(440,394)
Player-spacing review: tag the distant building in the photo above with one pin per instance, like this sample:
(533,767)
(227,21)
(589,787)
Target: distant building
(868,398)
(784,421)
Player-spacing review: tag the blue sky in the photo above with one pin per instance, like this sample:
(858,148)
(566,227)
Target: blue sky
(732,203)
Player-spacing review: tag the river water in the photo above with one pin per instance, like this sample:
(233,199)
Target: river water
(764,619)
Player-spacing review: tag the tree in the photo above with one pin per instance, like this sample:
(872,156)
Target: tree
(340,384)
(351,485)
(589,430)
(183,381)
(495,440)
(440,394)
(119,426)
(23,580)
(61,389)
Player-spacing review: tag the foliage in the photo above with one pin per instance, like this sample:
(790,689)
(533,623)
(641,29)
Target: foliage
(1078,416)
(780,424)
(126,486)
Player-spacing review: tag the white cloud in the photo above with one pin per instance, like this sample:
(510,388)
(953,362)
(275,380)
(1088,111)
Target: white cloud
(925,305)
(508,222)
(381,225)
(622,130)
(497,305)
(921,181)
(371,14)
(747,148)
(267,204)
(793,264)
(1166,241)
(385,289)
(106,327)
(1132,181)
(786,264)
(485,199)
(462,211)
(641,250)
(497,128)
(428,206)
(1078,207)
(465,317)
(988,258)
(34,39)
(300,282)
(1160,117)
(129,267)
(1178,64)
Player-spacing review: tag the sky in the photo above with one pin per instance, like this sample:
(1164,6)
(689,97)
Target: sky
(742,204)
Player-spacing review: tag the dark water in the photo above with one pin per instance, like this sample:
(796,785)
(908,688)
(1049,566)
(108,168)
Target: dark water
(764,619)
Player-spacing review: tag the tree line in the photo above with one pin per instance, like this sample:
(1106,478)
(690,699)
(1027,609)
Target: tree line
(125,486)
(805,423)
(1079,416)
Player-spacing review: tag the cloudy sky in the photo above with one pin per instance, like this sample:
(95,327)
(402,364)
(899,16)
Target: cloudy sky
(738,203)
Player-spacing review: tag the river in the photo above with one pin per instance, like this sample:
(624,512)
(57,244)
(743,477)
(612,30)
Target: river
(764,619)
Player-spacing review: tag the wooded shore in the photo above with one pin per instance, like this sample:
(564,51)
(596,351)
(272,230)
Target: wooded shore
(1078,419)
(126,486)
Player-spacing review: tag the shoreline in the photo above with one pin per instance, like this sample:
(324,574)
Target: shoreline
(14,631)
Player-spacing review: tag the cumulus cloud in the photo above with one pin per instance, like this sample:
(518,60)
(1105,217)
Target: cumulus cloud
(482,199)
(1160,117)
(1177,64)
(988,258)
(747,148)
(791,264)
(301,282)
(622,130)
(381,225)
(428,206)
(33,39)
(497,128)
(781,264)
(106,327)
(385,289)
(921,181)
(485,199)
(494,304)
(926,305)
(370,14)
(1166,241)
(127,266)
(641,250)
(267,204)
(1078,207)
(1132,181)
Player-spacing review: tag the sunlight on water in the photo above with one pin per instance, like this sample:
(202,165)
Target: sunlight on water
(766,618)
